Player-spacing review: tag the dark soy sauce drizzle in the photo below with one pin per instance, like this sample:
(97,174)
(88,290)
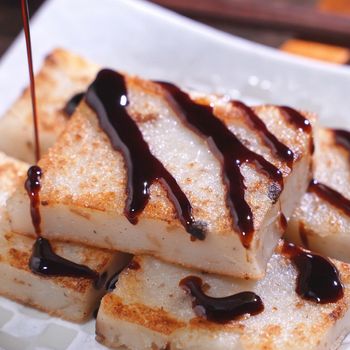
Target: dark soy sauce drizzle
(294,117)
(43,260)
(231,153)
(342,138)
(318,279)
(33,186)
(108,97)
(297,119)
(220,310)
(279,149)
(330,195)
(73,103)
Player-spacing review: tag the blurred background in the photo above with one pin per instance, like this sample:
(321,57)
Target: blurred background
(319,29)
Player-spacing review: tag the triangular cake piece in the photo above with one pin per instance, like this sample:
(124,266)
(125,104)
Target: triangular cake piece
(62,76)
(322,220)
(71,298)
(169,187)
(149,310)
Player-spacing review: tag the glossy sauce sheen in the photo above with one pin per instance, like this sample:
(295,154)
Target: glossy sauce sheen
(43,260)
(318,279)
(33,186)
(295,118)
(108,97)
(342,138)
(220,310)
(279,149)
(331,196)
(229,151)
(73,103)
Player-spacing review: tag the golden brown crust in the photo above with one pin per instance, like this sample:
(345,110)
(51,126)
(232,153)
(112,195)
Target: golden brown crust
(55,313)
(155,319)
(63,74)
(19,259)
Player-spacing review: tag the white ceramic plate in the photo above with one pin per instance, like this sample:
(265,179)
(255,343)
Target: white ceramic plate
(141,38)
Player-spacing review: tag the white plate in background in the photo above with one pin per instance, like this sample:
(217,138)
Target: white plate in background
(144,39)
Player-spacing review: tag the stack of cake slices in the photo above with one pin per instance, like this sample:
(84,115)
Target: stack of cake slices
(178,200)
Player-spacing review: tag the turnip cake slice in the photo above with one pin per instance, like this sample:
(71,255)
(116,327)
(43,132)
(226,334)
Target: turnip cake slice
(149,310)
(322,220)
(144,168)
(71,298)
(63,75)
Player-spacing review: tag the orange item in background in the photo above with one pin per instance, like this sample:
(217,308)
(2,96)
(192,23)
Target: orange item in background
(338,6)
(323,52)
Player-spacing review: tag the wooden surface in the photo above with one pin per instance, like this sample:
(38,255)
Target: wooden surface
(10,20)
(270,22)
(298,18)
(318,51)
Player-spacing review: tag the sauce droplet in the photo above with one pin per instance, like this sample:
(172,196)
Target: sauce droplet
(229,151)
(45,262)
(108,97)
(342,138)
(73,103)
(318,279)
(220,310)
(279,149)
(33,186)
(330,195)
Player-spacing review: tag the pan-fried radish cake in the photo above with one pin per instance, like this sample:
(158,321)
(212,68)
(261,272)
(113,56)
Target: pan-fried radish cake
(59,86)
(70,297)
(145,168)
(322,220)
(156,305)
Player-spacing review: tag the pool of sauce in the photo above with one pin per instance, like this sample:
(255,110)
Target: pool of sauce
(318,279)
